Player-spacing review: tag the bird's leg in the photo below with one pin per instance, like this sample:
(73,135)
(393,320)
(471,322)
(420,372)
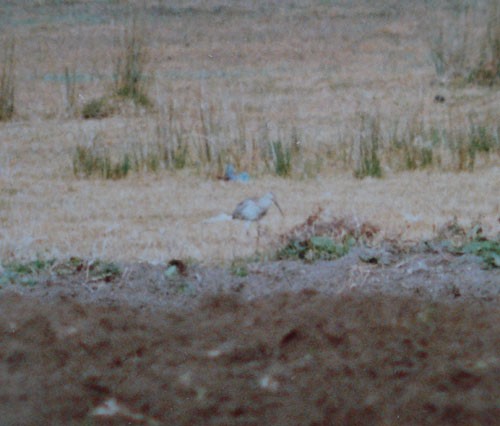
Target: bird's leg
(258,237)
(247,227)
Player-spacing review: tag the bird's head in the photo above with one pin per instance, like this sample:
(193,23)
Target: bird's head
(271,197)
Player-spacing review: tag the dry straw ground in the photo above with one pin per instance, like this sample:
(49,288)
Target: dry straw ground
(311,67)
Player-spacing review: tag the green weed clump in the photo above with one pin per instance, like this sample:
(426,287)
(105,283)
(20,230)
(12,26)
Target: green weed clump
(317,239)
(24,273)
(32,272)
(488,250)
(282,158)
(315,248)
(458,240)
(239,268)
(7,82)
(97,108)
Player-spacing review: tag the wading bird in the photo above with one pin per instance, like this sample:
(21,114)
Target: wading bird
(254,209)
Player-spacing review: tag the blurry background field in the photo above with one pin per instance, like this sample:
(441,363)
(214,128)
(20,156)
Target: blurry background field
(117,118)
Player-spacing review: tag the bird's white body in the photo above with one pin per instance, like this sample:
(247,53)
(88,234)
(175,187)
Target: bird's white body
(254,209)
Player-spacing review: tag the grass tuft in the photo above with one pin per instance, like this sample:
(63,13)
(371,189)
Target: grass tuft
(7,82)
(368,163)
(97,108)
(282,158)
(129,65)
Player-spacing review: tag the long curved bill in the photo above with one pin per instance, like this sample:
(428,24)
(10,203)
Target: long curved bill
(279,208)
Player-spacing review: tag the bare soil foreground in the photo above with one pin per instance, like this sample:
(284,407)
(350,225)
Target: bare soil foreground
(412,340)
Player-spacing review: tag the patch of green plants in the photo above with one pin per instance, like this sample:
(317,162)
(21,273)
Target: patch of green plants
(474,242)
(25,273)
(282,158)
(316,248)
(458,240)
(103,270)
(239,268)
(30,273)
(97,270)
(97,108)
(7,81)
(32,267)
(488,250)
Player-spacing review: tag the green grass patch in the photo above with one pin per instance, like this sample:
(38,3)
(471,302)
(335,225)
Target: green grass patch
(316,248)
(24,273)
(282,158)
(239,268)
(100,270)
(32,267)
(32,272)
(98,108)
(488,250)
(458,240)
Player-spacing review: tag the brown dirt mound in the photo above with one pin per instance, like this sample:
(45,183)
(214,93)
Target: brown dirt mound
(287,359)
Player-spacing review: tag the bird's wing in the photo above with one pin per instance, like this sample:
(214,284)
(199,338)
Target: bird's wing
(238,211)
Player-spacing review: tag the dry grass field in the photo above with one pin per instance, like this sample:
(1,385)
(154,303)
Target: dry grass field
(313,68)
(124,301)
